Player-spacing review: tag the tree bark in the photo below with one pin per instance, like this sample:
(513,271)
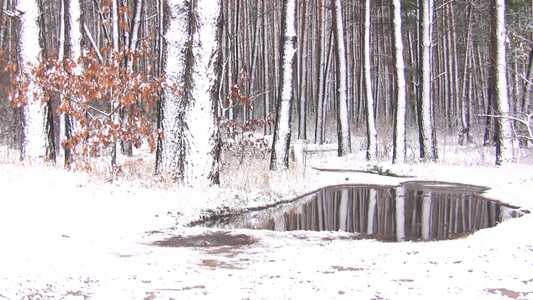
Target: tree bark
(399,137)
(34,140)
(427,139)
(69,48)
(279,159)
(371,133)
(343,125)
(504,130)
(191,143)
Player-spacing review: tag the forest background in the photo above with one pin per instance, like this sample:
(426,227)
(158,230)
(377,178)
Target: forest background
(104,77)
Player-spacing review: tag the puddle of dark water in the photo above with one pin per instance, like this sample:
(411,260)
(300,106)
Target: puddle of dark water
(416,211)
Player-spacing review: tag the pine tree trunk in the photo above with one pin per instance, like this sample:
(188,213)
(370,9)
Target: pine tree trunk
(504,130)
(321,61)
(191,143)
(34,141)
(343,125)
(279,159)
(371,133)
(425,123)
(464,136)
(399,137)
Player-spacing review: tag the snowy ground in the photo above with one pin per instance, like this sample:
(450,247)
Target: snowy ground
(67,235)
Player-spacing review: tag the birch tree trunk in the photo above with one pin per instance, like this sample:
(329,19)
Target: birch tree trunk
(504,130)
(371,133)
(399,137)
(343,127)
(279,159)
(34,140)
(191,143)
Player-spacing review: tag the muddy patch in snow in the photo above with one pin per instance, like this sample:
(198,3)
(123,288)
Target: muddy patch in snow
(210,239)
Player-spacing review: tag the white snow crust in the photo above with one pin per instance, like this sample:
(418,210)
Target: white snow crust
(67,235)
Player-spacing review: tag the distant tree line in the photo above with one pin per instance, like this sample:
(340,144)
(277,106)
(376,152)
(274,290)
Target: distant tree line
(109,75)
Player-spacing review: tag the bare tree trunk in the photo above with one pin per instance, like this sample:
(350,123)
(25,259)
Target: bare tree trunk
(504,130)
(322,61)
(302,91)
(160,64)
(371,133)
(127,148)
(399,137)
(266,71)
(34,142)
(191,144)
(428,148)
(279,159)
(464,136)
(343,125)
(69,48)
(114,104)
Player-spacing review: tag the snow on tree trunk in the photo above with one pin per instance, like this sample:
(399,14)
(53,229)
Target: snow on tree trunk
(69,47)
(279,159)
(343,127)
(191,146)
(34,141)
(399,154)
(504,129)
(427,145)
(371,133)
(115,25)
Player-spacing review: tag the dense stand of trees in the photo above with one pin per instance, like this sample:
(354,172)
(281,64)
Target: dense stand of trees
(313,69)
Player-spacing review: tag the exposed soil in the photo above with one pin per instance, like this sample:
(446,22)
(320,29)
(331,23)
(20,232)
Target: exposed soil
(212,239)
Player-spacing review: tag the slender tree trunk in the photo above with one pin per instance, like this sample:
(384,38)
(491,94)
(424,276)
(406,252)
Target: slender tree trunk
(160,65)
(279,159)
(428,148)
(266,71)
(322,61)
(343,125)
(69,48)
(114,104)
(464,137)
(399,137)
(371,133)
(302,91)
(504,130)
(127,148)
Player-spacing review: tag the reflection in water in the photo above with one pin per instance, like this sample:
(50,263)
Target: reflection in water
(401,213)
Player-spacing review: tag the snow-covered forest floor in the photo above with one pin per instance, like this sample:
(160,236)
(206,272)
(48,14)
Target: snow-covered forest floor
(78,235)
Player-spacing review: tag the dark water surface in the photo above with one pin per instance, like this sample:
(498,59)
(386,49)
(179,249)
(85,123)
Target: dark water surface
(414,211)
